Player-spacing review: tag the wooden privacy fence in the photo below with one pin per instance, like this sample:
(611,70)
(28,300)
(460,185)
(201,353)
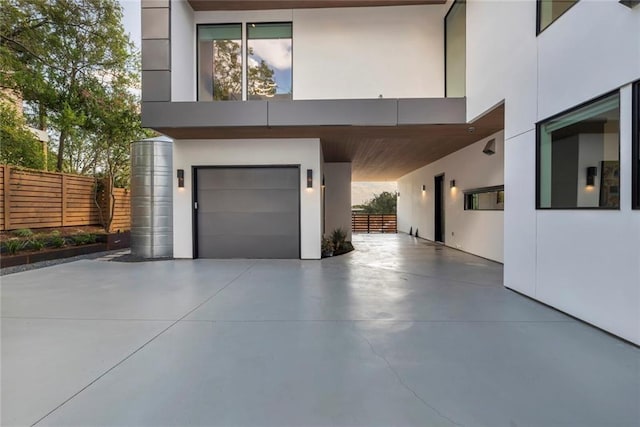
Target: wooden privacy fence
(374,223)
(36,199)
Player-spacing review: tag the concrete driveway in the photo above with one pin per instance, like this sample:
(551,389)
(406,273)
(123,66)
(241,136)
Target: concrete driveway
(397,333)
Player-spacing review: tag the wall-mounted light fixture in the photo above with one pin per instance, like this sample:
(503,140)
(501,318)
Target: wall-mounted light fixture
(452,183)
(180,178)
(323,184)
(424,188)
(592,172)
(309,178)
(490,147)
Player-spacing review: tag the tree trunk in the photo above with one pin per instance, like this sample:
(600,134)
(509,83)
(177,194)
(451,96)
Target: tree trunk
(63,137)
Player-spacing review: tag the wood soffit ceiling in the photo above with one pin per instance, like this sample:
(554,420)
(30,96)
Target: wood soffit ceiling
(377,153)
(199,5)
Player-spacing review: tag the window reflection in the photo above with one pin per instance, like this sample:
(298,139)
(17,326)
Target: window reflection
(579,157)
(269,61)
(220,62)
(484,199)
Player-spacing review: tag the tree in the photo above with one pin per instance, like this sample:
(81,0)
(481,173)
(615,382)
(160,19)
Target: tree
(18,146)
(383,203)
(56,53)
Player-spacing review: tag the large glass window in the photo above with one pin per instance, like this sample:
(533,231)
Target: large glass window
(579,157)
(269,60)
(550,10)
(220,62)
(455,28)
(636,145)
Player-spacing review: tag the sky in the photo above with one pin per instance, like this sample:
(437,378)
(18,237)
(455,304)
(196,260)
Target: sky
(131,19)
(360,191)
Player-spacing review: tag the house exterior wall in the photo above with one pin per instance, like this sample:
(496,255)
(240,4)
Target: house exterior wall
(398,49)
(249,152)
(584,262)
(476,232)
(337,197)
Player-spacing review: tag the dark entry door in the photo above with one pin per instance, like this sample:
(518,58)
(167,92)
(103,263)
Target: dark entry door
(439,209)
(247,212)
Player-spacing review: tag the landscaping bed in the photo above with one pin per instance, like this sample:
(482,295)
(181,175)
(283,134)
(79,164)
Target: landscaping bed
(25,246)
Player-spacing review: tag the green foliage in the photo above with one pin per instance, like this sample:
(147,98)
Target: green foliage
(56,241)
(327,246)
(12,246)
(18,146)
(75,67)
(23,232)
(35,244)
(383,203)
(338,238)
(84,239)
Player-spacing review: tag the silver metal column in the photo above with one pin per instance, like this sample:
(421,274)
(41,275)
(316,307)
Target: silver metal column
(152,198)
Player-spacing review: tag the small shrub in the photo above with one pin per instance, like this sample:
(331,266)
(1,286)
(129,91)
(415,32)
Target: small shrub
(84,239)
(56,241)
(12,246)
(327,247)
(23,232)
(35,244)
(338,238)
(55,233)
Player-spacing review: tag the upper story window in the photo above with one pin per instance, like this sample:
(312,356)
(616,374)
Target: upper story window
(455,36)
(579,157)
(267,73)
(269,60)
(550,10)
(220,62)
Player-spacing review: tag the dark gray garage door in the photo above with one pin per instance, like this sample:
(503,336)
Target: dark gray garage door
(248,212)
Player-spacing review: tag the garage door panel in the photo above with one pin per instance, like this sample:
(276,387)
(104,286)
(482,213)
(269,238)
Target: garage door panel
(248,224)
(250,212)
(225,246)
(248,178)
(251,200)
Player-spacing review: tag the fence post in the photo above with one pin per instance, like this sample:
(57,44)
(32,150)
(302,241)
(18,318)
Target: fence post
(63,199)
(7,197)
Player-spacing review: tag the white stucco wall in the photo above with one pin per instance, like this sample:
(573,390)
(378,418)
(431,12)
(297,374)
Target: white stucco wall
(476,232)
(585,262)
(341,53)
(183,52)
(396,52)
(337,197)
(249,152)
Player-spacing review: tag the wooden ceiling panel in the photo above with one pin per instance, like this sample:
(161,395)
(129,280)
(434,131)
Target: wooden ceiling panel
(381,153)
(199,5)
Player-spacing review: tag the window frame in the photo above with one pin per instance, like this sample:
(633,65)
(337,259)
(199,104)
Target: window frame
(635,146)
(480,190)
(245,46)
(539,125)
(539,15)
(197,76)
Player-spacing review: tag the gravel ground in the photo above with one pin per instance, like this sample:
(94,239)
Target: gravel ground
(33,266)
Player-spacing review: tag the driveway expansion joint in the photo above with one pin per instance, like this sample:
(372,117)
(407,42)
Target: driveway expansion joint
(400,379)
(142,346)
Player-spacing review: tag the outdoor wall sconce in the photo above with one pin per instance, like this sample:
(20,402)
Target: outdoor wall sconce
(592,172)
(490,148)
(452,183)
(180,178)
(309,178)
(424,188)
